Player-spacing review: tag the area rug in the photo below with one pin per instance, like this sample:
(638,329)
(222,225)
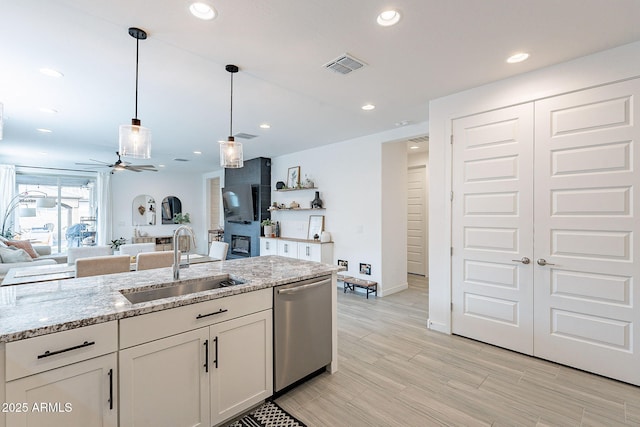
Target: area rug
(268,415)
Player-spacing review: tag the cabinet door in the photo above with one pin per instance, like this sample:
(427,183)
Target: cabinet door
(81,394)
(288,248)
(310,251)
(241,364)
(268,246)
(165,382)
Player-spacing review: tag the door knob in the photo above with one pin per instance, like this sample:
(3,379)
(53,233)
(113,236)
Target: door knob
(542,261)
(524,260)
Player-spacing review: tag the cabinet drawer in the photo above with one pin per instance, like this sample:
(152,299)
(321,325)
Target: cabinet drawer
(39,354)
(149,327)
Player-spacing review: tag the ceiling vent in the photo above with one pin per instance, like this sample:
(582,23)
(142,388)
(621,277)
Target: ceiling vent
(420,139)
(244,135)
(344,64)
(180,160)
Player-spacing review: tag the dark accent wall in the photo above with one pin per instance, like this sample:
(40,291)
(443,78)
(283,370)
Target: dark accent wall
(257,173)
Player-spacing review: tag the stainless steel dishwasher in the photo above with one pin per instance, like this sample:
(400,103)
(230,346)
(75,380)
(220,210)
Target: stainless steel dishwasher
(302,329)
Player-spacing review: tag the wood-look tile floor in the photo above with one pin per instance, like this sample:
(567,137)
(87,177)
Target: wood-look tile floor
(393,371)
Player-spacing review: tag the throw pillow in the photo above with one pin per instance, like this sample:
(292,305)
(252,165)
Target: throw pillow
(23,244)
(9,255)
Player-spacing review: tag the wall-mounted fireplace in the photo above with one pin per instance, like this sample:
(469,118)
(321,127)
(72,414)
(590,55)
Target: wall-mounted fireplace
(243,236)
(240,245)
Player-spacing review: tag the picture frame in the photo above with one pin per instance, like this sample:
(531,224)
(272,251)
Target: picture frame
(293,177)
(344,263)
(365,268)
(316,226)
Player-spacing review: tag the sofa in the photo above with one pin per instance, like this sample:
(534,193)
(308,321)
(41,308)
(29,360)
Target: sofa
(44,258)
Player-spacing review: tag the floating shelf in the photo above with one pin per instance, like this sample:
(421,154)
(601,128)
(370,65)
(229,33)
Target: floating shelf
(297,209)
(296,189)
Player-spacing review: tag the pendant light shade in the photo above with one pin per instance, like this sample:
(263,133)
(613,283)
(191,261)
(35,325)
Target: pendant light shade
(230,150)
(134,139)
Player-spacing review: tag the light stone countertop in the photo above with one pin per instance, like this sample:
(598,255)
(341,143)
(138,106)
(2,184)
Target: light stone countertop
(42,308)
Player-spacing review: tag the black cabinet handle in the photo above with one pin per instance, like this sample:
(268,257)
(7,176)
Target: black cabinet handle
(200,316)
(215,361)
(206,356)
(110,389)
(53,353)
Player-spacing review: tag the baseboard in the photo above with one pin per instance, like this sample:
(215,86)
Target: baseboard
(389,291)
(438,327)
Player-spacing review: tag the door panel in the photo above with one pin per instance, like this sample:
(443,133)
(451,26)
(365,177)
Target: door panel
(416,221)
(586,310)
(492,211)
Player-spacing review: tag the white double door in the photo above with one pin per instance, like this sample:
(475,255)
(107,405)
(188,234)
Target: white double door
(544,248)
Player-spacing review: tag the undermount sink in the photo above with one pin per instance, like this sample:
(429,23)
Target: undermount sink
(137,297)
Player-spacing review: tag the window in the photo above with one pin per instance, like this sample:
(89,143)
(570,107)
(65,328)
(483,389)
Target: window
(60,211)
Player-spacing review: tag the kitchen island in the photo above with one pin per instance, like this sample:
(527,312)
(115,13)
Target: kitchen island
(50,319)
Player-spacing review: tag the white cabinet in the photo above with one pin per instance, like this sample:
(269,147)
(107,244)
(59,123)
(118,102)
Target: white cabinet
(301,249)
(216,363)
(241,364)
(80,394)
(310,251)
(165,382)
(64,379)
(268,246)
(288,248)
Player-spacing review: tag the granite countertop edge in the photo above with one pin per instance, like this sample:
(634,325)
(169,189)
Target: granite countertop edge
(69,304)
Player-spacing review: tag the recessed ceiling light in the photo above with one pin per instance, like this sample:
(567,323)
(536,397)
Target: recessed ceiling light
(48,110)
(42,153)
(51,72)
(160,166)
(43,130)
(202,11)
(518,57)
(197,152)
(414,147)
(265,126)
(368,107)
(388,18)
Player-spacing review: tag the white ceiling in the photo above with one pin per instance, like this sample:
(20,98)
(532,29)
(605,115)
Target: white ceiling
(438,48)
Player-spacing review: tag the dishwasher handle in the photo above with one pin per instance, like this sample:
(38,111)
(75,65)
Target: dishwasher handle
(302,288)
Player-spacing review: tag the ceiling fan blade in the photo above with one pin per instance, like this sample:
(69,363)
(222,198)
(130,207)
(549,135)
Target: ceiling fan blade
(99,161)
(144,166)
(98,165)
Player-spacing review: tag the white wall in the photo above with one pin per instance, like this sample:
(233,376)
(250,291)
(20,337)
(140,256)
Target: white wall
(394,216)
(189,188)
(594,70)
(349,177)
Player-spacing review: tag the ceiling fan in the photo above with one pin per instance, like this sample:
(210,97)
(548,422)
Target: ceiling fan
(119,165)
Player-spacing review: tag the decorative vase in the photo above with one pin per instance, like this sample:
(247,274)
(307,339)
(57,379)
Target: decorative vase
(317,202)
(268,230)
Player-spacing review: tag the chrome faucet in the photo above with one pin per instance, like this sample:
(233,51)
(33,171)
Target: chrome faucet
(176,258)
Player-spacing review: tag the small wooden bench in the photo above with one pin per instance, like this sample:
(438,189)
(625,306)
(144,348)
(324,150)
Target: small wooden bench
(352,282)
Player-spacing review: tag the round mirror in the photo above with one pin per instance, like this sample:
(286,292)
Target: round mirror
(171,205)
(144,210)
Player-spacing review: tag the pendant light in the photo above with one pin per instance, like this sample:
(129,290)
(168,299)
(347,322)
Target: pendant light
(135,140)
(230,150)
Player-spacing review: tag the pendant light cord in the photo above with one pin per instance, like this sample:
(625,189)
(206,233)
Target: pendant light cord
(231,112)
(137,52)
